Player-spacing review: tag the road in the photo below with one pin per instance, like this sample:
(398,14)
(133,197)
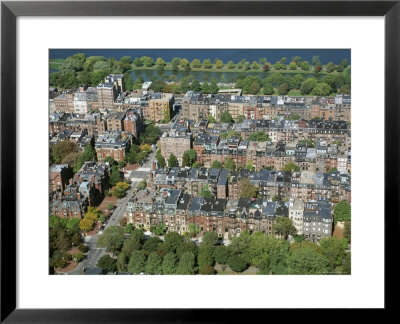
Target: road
(95,253)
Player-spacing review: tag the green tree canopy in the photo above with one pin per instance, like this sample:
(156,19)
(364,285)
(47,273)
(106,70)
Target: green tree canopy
(216,165)
(259,136)
(284,226)
(306,261)
(210,238)
(237,263)
(229,164)
(186,264)
(308,86)
(291,167)
(246,189)
(321,89)
(137,262)
(169,264)
(111,239)
(107,263)
(226,117)
(61,149)
(172,161)
(342,211)
(153,264)
(205,192)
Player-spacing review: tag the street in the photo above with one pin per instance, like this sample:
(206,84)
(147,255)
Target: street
(95,253)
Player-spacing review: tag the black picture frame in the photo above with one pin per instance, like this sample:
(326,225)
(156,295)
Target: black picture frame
(10,10)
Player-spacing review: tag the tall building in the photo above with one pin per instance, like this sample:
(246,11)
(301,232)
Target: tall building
(160,106)
(106,95)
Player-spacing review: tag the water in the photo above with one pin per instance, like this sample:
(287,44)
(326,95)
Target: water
(272,55)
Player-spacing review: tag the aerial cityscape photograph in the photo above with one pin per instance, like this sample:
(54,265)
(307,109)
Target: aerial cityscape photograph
(199,162)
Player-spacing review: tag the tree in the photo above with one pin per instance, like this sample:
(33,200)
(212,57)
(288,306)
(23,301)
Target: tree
(160,63)
(305,66)
(342,212)
(210,238)
(137,62)
(254,88)
(333,250)
(246,189)
(291,167)
(169,264)
(315,60)
(268,89)
(137,262)
(330,67)
(216,165)
(142,185)
(226,118)
(120,189)
(241,118)
(150,245)
(115,175)
(122,261)
(230,65)
(219,64)
(160,159)
(318,68)
(63,148)
(196,165)
(153,264)
(229,164)
(306,261)
(86,225)
(283,89)
(172,161)
(292,66)
(133,242)
(196,64)
(205,257)
(266,67)
(107,263)
(194,229)
(195,86)
(211,119)
(205,192)
(284,226)
(321,89)
(93,213)
(111,239)
(159,229)
(213,86)
(237,263)
(188,158)
(259,136)
(206,270)
(221,254)
(307,86)
(158,85)
(187,246)
(71,159)
(207,64)
(255,65)
(347,230)
(186,264)
(205,87)
(172,240)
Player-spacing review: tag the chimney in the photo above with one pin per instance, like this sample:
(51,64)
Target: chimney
(151,176)
(154,165)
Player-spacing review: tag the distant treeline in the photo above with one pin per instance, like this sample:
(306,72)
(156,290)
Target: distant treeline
(77,70)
